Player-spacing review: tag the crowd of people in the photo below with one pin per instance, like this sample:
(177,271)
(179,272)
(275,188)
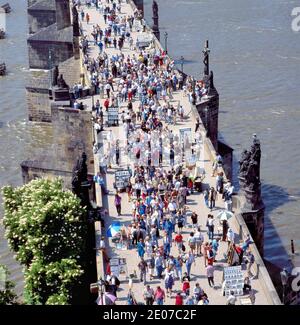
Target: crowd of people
(159,188)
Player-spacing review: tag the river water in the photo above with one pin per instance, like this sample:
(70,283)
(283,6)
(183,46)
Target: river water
(255,57)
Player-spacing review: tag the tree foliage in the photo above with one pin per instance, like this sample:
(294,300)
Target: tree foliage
(44,226)
(7,294)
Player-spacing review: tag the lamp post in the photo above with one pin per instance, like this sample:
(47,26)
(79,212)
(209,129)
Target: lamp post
(166,42)
(284,280)
(182,62)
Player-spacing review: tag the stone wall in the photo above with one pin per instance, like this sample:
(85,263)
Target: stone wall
(37,96)
(39,52)
(37,90)
(63,15)
(208,111)
(38,19)
(38,169)
(73,131)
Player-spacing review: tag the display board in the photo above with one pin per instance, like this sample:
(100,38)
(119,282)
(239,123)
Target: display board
(122,178)
(118,266)
(185,142)
(113,116)
(234,278)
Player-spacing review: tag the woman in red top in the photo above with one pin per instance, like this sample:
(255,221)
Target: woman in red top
(186,287)
(179,240)
(179,299)
(106,104)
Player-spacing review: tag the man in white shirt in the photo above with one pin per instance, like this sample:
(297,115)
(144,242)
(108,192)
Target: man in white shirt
(231,300)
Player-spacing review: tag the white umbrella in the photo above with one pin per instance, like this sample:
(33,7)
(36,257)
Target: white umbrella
(225,215)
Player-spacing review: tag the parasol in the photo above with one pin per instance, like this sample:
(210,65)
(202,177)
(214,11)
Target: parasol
(113,229)
(225,215)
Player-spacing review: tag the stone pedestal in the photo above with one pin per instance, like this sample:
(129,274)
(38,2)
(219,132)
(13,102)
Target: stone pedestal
(58,94)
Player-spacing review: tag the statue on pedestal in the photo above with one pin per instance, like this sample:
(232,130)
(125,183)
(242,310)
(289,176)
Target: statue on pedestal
(80,183)
(61,84)
(211,86)
(55,74)
(76,29)
(249,173)
(155,17)
(206,52)
(155,9)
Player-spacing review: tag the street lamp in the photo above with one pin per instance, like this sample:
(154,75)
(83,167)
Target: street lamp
(284,279)
(182,62)
(166,42)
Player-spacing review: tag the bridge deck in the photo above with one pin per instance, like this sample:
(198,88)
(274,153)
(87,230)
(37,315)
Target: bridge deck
(195,201)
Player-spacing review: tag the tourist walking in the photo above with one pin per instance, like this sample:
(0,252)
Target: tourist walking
(179,299)
(199,241)
(210,226)
(212,197)
(141,248)
(169,282)
(148,295)
(210,275)
(190,259)
(118,205)
(192,242)
(206,197)
(159,266)
(143,267)
(194,218)
(231,300)
(159,296)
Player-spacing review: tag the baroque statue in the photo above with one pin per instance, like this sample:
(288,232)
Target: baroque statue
(61,83)
(55,74)
(155,9)
(80,183)
(249,173)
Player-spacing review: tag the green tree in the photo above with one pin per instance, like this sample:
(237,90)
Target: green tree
(44,226)
(7,294)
